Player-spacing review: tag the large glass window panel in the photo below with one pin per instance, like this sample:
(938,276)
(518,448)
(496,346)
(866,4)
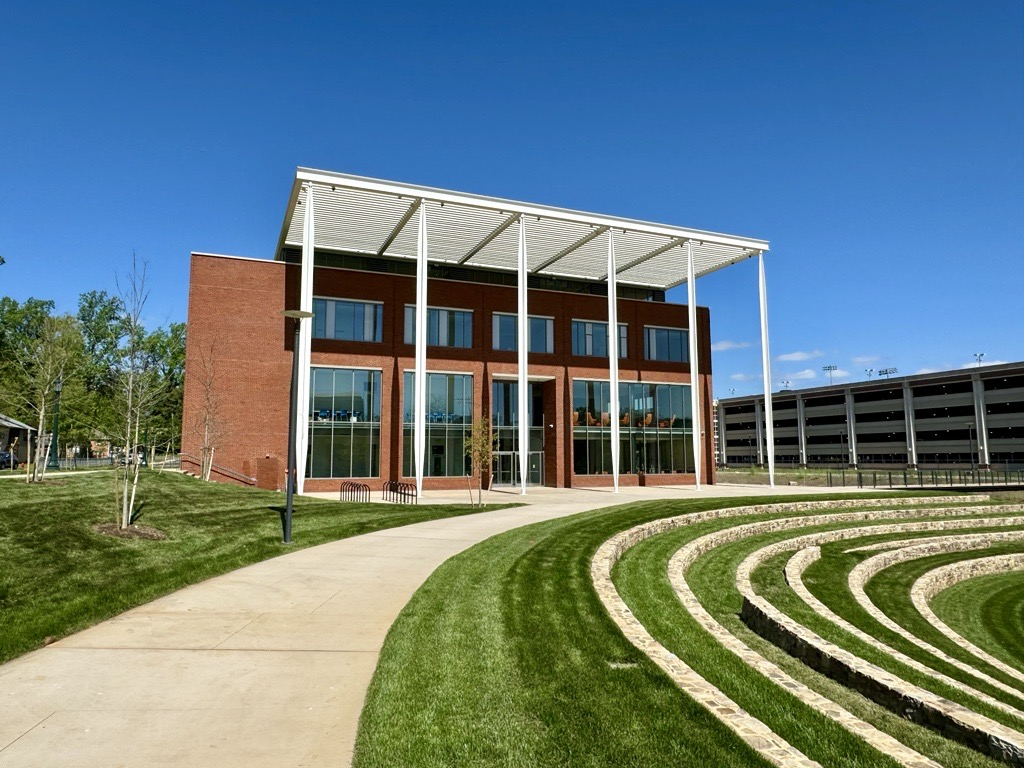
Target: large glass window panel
(590,339)
(651,420)
(449,420)
(344,423)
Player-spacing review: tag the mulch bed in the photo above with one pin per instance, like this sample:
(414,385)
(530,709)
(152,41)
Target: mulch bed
(131,532)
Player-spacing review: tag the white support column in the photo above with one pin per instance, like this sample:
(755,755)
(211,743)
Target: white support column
(419,426)
(759,431)
(613,360)
(980,423)
(305,340)
(766,367)
(851,429)
(723,443)
(523,346)
(908,420)
(691,300)
(801,430)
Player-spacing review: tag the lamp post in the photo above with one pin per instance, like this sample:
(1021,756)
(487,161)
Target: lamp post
(297,315)
(830,369)
(869,371)
(53,462)
(787,384)
(978,356)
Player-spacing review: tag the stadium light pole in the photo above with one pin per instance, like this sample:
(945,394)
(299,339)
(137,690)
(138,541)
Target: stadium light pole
(297,316)
(887,372)
(830,369)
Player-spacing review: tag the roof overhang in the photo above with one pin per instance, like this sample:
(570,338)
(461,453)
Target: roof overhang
(355,214)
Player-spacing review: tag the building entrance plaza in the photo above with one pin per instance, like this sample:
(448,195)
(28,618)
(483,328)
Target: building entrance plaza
(434,312)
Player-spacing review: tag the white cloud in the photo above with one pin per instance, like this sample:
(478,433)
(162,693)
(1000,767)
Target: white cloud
(743,377)
(864,359)
(983,362)
(796,357)
(807,373)
(724,346)
(839,373)
(919,371)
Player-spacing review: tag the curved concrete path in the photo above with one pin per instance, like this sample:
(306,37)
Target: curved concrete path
(264,666)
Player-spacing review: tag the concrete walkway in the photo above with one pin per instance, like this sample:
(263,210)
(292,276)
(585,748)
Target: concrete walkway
(265,666)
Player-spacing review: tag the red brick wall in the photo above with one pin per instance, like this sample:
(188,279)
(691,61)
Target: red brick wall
(234,313)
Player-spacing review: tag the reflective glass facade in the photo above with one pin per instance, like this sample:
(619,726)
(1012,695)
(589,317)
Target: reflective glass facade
(449,421)
(344,423)
(655,428)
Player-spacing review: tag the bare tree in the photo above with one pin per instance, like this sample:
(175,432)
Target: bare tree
(207,426)
(480,445)
(137,385)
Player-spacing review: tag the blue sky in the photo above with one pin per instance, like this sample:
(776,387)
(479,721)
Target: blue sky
(879,147)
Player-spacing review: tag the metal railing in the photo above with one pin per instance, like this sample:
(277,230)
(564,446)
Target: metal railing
(400,493)
(353,491)
(924,478)
(223,471)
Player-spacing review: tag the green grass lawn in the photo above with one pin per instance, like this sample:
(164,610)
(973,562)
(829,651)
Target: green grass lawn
(506,657)
(58,575)
(988,611)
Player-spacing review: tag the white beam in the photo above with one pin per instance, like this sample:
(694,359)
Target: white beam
(419,427)
(691,299)
(766,370)
(613,360)
(523,347)
(305,341)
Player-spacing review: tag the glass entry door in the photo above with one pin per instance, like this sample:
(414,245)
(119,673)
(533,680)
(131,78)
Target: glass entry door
(505,422)
(506,468)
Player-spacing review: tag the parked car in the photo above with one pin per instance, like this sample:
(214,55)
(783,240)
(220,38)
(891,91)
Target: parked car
(8,460)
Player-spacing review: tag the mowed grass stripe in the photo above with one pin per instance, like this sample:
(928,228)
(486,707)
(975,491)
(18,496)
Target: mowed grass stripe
(828,584)
(890,592)
(988,611)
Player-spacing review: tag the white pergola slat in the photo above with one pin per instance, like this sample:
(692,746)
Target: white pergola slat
(358,215)
(373,217)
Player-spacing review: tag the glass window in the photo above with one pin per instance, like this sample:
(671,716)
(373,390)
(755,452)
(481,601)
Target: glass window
(590,339)
(505,332)
(344,429)
(654,427)
(348,320)
(668,344)
(445,327)
(449,422)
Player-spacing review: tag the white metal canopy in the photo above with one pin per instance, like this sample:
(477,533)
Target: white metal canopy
(341,213)
(355,214)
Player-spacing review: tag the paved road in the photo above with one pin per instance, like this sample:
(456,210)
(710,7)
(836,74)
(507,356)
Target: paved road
(265,666)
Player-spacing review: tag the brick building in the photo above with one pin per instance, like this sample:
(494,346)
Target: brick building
(360,255)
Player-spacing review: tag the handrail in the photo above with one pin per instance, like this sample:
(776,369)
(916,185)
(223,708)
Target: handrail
(400,493)
(220,470)
(353,491)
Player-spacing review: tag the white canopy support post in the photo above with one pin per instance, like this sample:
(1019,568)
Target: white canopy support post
(523,347)
(766,367)
(613,359)
(305,340)
(419,426)
(691,300)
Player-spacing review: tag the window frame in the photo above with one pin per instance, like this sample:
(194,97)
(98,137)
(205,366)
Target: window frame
(445,330)
(549,333)
(623,338)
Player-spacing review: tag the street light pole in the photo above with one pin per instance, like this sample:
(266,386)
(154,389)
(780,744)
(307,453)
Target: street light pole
(297,315)
(978,356)
(54,462)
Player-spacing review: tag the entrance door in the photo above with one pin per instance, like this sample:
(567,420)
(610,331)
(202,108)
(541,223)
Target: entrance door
(506,468)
